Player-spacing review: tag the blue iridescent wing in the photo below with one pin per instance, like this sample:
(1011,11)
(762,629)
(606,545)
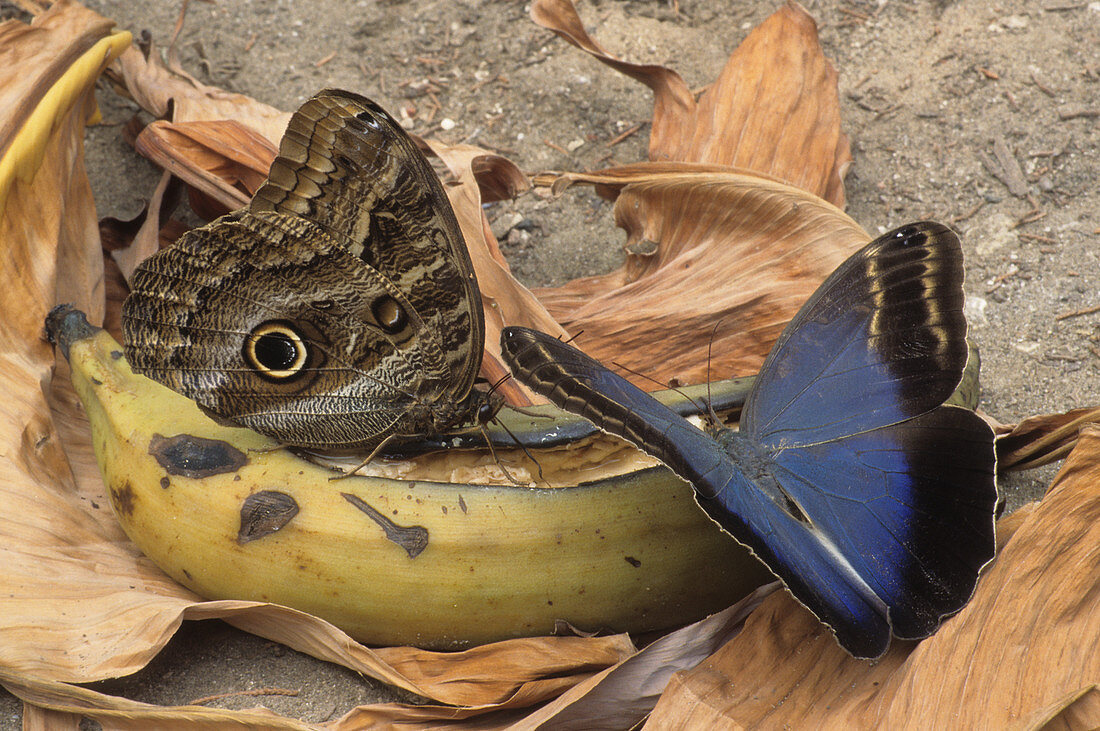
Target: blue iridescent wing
(878,533)
(871,501)
(882,340)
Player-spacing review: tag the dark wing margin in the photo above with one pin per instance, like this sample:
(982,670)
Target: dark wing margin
(882,340)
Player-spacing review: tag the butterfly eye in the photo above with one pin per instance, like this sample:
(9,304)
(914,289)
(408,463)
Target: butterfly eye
(486,412)
(275,350)
(389,315)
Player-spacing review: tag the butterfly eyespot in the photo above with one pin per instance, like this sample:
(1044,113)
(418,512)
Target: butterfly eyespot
(275,350)
(389,315)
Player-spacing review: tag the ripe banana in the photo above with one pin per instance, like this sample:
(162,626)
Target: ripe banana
(422,560)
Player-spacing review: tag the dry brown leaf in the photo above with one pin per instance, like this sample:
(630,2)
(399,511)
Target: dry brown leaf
(622,696)
(112,712)
(72,579)
(1078,711)
(36,56)
(617,697)
(673,101)
(220,143)
(774,108)
(146,240)
(735,250)
(1019,655)
(223,159)
(608,182)
(36,718)
(1040,440)
(158,89)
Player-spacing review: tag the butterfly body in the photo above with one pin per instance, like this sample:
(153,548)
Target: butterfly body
(338,309)
(847,477)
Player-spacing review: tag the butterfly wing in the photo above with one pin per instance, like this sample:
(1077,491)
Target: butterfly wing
(349,167)
(887,325)
(282,331)
(902,493)
(882,532)
(875,507)
(340,307)
(582,385)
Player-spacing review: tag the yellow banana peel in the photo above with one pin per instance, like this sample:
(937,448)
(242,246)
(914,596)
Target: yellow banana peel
(228,514)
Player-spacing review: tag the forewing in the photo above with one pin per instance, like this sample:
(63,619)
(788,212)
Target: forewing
(350,168)
(583,386)
(882,340)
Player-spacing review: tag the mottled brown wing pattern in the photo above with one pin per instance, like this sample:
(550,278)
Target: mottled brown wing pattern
(338,309)
(345,164)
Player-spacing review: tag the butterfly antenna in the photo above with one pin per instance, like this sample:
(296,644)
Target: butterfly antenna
(654,381)
(498,383)
(493,452)
(716,422)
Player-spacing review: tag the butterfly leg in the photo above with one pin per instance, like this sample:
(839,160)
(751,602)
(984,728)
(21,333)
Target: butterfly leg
(370,458)
(493,452)
(485,434)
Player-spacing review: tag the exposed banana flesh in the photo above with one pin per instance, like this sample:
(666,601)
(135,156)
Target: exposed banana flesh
(422,560)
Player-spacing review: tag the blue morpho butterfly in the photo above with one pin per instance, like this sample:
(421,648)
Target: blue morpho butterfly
(848,478)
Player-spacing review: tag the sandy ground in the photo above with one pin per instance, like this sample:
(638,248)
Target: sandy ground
(979,113)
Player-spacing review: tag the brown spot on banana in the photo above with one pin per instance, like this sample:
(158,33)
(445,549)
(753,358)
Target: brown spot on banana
(413,538)
(264,513)
(197,457)
(123,498)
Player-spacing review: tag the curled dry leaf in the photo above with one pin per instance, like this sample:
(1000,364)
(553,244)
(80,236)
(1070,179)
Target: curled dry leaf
(714,236)
(673,101)
(618,697)
(59,39)
(221,143)
(133,247)
(623,695)
(224,159)
(774,108)
(1040,440)
(143,76)
(729,250)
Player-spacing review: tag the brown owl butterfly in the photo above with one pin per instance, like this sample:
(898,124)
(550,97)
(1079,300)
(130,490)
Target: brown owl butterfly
(335,312)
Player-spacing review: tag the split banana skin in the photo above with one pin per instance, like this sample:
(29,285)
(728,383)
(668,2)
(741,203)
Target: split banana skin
(415,561)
